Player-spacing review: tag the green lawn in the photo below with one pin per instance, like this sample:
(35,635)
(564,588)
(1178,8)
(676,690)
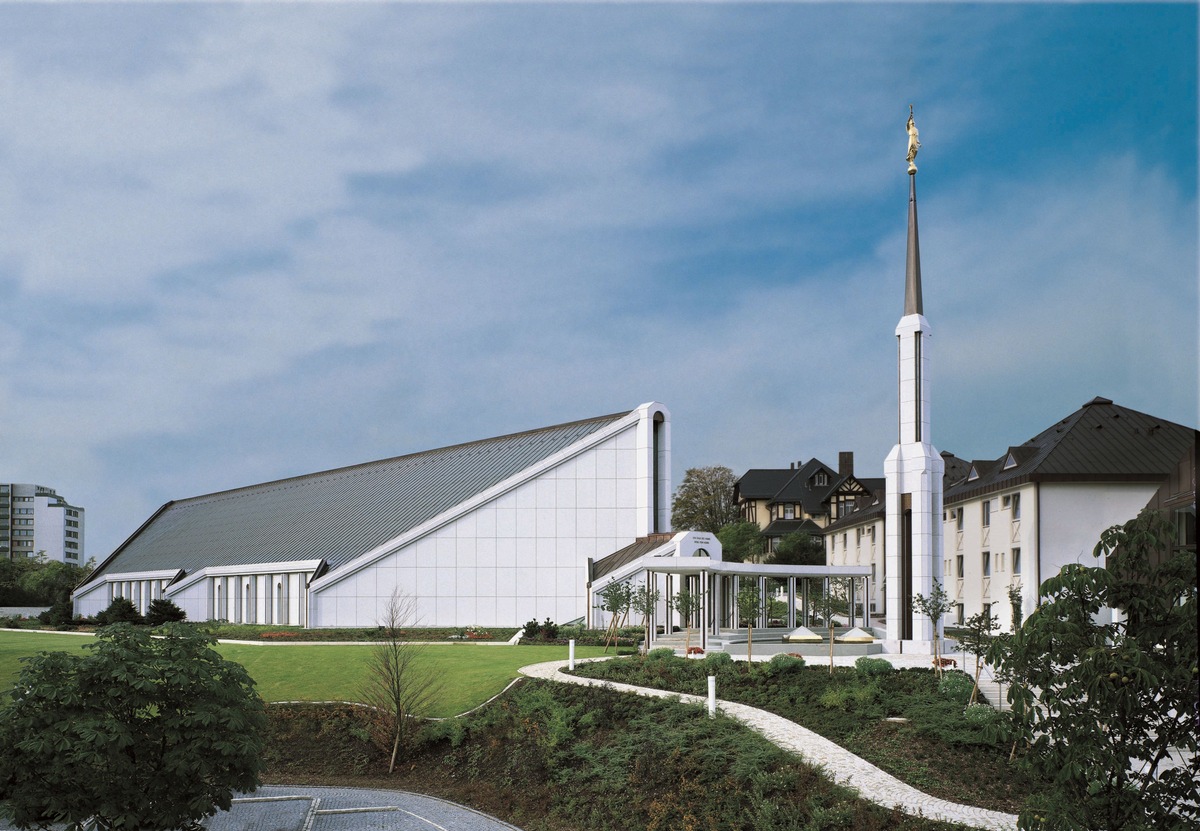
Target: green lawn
(471,673)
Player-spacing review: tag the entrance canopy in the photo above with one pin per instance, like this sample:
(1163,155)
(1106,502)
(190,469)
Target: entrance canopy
(691,561)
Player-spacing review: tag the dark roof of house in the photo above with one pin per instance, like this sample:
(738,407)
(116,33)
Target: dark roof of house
(334,515)
(1100,442)
(783,527)
(791,485)
(623,556)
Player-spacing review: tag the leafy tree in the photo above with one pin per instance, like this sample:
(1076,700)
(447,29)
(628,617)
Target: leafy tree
(704,500)
(934,606)
(798,549)
(1101,705)
(34,581)
(401,684)
(138,733)
(687,605)
(976,640)
(644,599)
(833,602)
(749,607)
(740,541)
(616,599)
(162,611)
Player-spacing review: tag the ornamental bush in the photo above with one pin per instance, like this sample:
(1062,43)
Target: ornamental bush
(873,666)
(162,611)
(121,610)
(139,732)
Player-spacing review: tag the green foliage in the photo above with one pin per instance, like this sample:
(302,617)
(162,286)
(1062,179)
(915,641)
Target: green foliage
(740,541)
(867,666)
(121,610)
(597,759)
(61,613)
(937,749)
(1098,705)
(980,715)
(704,500)
(660,654)
(956,686)
(714,662)
(783,664)
(139,732)
(162,611)
(643,599)
(798,549)
(36,581)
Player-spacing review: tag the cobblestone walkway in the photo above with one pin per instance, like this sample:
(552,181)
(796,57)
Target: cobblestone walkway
(840,764)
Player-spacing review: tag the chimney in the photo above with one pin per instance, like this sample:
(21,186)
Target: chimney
(846,463)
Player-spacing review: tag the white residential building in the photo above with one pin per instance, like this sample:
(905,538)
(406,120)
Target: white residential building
(35,520)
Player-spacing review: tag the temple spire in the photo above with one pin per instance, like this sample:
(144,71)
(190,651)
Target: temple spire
(912,280)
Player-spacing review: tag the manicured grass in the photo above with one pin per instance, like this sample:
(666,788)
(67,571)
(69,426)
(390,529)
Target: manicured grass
(471,673)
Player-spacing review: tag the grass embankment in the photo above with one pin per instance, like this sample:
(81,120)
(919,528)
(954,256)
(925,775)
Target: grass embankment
(553,757)
(470,673)
(941,749)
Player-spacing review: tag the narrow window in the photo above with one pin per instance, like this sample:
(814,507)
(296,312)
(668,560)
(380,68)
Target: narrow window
(987,512)
(1016,506)
(958,566)
(987,564)
(1016,558)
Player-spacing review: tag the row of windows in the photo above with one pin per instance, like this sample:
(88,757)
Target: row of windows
(986,563)
(1009,502)
(72,523)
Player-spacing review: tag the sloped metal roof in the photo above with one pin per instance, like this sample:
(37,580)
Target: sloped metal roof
(1100,442)
(334,515)
(623,556)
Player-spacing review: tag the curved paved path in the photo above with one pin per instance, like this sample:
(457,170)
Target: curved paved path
(839,764)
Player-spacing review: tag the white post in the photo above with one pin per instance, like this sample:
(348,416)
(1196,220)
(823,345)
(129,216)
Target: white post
(712,696)
(571,654)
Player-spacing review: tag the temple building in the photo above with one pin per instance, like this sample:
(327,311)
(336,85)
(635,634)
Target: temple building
(493,533)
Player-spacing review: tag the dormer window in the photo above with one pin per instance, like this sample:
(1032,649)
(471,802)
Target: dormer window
(789,511)
(973,475)
(1010,462)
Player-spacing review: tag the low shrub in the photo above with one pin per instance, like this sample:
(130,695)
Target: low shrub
(783,663)
(956,686)
(532,629)
(980,715)
(60,614)
(13,622)
(663,653)
(121,610)
(868,667)
(162,611)
(714,662)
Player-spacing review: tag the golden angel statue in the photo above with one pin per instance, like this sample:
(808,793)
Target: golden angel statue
(914,142)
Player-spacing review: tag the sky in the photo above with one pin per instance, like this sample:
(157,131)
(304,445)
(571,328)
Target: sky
(240,242)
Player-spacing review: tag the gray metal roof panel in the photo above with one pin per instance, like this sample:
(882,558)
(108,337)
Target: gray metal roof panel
(334,515)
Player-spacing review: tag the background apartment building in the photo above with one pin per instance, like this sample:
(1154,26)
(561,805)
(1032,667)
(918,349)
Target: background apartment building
(1014,521)
(34,518)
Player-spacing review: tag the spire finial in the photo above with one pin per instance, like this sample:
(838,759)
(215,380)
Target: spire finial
(914,142)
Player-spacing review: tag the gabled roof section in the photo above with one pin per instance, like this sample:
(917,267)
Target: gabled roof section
(762,483)
(630,553)
(1100,442)
(334,515)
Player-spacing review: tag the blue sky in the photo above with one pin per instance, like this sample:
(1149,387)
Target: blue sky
(242,242)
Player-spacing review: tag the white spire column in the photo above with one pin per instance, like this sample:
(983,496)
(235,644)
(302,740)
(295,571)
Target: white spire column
(914,468)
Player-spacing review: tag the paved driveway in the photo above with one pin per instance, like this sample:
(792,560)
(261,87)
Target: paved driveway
(303,808)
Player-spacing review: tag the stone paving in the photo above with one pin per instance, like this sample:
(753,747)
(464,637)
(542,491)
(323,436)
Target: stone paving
(839,764)
(306,808)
